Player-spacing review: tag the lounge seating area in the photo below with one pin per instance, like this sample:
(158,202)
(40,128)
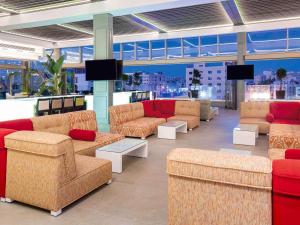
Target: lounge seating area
(150,112)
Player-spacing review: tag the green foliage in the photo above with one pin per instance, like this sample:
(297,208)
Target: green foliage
(281,74)
(137,79)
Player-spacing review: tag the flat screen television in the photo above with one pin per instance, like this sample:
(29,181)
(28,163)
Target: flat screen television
(119,69)
(240,72)
(104,69)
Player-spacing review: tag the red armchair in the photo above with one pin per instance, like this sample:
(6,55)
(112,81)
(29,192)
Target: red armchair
(286,189)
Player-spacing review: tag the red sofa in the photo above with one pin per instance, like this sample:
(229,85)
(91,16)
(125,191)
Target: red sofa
(6,128)
(284,113)
(286,189)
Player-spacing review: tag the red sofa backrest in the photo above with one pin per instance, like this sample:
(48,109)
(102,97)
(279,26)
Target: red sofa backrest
(285,110)
(20,124)
(165,106)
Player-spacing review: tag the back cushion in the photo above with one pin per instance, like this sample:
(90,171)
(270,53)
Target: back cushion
(191,108)
(137,110)
(58,124)
(120,114)
(165,106)
(21,124)
(254,109)
(285,110)
(148,108)
(84,120)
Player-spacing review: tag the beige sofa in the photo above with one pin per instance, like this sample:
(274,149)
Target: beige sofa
(48,169)
(129,119)
(218,188)
(207,112)
(255,113)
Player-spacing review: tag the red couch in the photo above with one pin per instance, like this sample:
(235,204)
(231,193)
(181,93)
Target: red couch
(6,128)
(284,113)
(159,108)
(286,189)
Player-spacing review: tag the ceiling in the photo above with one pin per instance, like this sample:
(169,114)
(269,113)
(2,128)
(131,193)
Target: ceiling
(214,14)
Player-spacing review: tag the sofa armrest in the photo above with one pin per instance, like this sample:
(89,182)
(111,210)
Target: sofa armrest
(292,154)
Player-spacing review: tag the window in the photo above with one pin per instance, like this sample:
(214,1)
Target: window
(174,48)
(128,51)
(209,72)
(191,47)
(267,41)
(228,44)
(209,78)
(158,49)
(72,55)
(219,71)
(143,50)
(294,39)
(87,53)
(117,51)
(209,45)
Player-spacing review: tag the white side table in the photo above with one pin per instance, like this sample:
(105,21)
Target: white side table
(115,151)
(169,129)
(245,134)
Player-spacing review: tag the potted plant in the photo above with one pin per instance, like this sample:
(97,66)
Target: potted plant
(125,79)
(280,74)
(137,79)
(195,81)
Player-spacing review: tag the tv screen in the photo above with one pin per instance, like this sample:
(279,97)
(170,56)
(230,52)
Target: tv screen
(119,69)
(240,72)
(105,69)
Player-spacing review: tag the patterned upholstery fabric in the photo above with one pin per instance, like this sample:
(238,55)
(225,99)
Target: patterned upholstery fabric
(58,123)
(263,125)
(85,120)
(276,153)
(284,136)
(192,121)
(202,184)
(137,110)
(88,148)
(39,170)
(191,108)
(255,113)
(120,114)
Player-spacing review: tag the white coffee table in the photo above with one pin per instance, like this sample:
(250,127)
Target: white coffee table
(169,129)
(245,134)
(115,151)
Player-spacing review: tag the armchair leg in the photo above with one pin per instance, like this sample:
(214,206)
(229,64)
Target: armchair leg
(2,199)
(109,182)
(55,213)
(9,200)
(190,129)
(143,138)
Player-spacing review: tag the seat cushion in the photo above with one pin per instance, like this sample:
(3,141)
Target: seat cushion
(91,173)
(286,177)
(221,167)
(88,148)
(192,121)
(142,127)
(263,125)
(285,110)
(284,136)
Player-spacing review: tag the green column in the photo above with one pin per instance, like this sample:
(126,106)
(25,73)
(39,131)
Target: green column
(103,90)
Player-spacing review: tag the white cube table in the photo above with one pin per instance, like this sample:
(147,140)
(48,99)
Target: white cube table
(115,151)
(169,129)
(245,134)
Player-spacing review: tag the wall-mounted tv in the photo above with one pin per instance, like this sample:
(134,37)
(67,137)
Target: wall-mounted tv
(240,72)
(103,69)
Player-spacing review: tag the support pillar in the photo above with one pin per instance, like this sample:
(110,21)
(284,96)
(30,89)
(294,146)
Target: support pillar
(103,90)
(241,52)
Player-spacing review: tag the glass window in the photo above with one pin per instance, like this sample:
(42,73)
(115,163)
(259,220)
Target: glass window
(87,53)
(174,48)
(117,51)
(128,51)
(267,41)
(191,47)
(158,49)
(209,45)
(71,54)
(294,39)
(143,50)
(228,44)
(49,51)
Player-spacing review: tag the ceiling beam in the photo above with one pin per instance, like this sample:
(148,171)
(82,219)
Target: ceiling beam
(144,22)
(233,12)
(86,11)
